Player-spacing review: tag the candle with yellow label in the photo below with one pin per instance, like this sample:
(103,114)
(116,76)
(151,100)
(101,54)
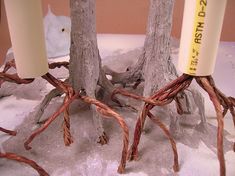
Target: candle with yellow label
(27,37)
(200,36)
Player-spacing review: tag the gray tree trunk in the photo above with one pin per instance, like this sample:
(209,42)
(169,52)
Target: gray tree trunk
(85,62)
(158,69)
(153,63)
(157,46)
(155,67)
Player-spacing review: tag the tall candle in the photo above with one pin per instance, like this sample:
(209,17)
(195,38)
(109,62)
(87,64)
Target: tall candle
(27,37)
(200,35)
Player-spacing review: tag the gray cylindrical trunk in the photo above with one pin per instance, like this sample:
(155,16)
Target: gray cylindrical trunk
(156,48)
(85,64)
(84,61)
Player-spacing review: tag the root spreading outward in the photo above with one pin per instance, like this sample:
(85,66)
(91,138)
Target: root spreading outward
(22,159)
(10,132)
(71,95)
(162,97)
(166,95)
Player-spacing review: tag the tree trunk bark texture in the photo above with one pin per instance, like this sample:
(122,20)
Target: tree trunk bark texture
(157,46)
(158,69)
(84,60)
(85,64)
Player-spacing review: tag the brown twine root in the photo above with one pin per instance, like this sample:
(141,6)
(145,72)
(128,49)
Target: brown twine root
(61,109)
(10,132)
(108,112)
(52,65)
(70,97)
(66,127)
(67,89)
(14,78)
(205,83)
(162,97)
(103,109)
(168,93)
(22,159)
(167,133)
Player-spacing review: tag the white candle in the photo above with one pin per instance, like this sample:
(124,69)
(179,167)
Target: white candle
(200,36)
(27,37)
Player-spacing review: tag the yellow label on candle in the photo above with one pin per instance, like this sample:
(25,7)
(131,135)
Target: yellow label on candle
(200,13)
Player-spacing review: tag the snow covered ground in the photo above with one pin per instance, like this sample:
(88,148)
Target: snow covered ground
(197,151)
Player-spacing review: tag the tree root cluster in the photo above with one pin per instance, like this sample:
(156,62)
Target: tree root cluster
(169,93)
(70,95)
(164,96)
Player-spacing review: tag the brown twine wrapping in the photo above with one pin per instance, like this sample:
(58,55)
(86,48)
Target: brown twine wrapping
(167,133)
(170,92)
(205,83)
(48,121)
(13,78)
(66,127)
(22,159)
(108,112)
(160,98)
(10,132)
(70,97)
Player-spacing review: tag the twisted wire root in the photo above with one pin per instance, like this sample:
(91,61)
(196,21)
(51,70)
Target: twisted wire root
(66,125)
(134,96)
(205,83)
(167,133)
(162,97)
(169,92)
(228,103)
(66,128)
(13,78)
(10,132)
(52,65)
(22,159)
(70,97)
(133,151)
(16,79)
(49,121)
(108,112)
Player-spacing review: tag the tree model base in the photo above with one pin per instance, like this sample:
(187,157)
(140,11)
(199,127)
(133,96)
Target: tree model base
(169,93)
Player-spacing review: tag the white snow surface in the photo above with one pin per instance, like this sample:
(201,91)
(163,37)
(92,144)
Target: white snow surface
(99,160)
